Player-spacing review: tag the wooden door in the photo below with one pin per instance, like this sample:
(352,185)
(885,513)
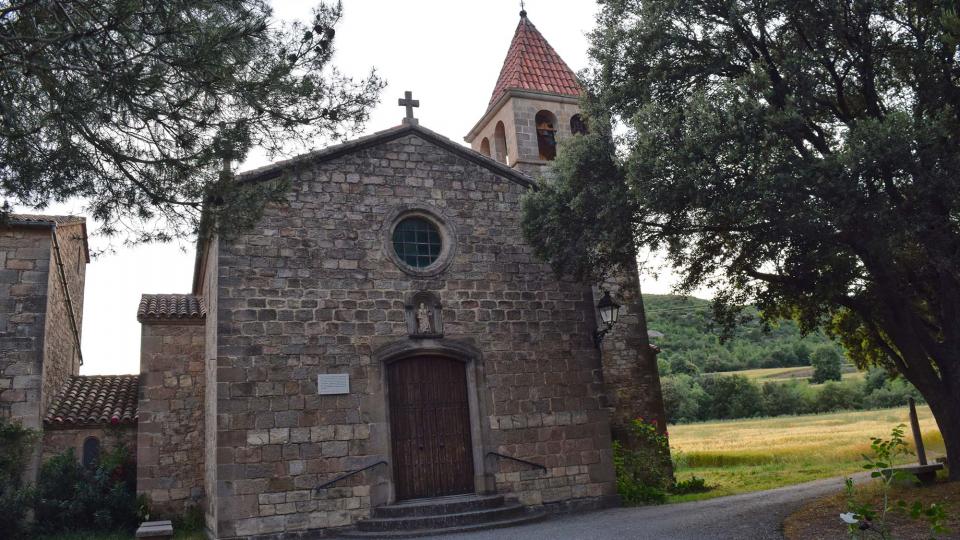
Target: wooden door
(430,427)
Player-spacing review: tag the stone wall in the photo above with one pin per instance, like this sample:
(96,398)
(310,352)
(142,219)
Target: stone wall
(312,290)
(24,264)
(59,440)
(629,364)
(208,288)
(170,440)
(518,114)
(524,120)
(61,354)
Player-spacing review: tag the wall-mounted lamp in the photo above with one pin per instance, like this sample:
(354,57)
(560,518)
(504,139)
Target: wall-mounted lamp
(609,311)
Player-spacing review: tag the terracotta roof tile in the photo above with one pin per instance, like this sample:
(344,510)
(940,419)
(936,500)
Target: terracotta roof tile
(171,307)
(95,400)
(532,64)
(39,218)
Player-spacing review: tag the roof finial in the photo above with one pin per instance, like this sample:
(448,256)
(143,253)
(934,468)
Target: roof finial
(408,102)
(523,10)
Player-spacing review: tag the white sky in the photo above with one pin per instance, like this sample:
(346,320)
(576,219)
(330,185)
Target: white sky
(448,53)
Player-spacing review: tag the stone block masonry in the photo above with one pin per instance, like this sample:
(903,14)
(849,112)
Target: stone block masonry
(24,268)
(42,270)
(312,290)
(170,440)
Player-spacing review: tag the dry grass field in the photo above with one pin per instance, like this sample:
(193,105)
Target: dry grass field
(782,374)
(748,455)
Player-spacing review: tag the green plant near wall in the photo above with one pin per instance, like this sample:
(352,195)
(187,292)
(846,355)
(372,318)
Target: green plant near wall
(16,498)
(642,471)
(101,498)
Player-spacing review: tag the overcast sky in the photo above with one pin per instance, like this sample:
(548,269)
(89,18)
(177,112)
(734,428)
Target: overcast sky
(447,53)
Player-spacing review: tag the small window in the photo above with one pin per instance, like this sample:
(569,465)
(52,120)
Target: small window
(546,135)
(91,452)
(577,125)
(417,242)
(485,147)
(500,144)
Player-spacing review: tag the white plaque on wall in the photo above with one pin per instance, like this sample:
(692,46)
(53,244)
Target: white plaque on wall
(333,383)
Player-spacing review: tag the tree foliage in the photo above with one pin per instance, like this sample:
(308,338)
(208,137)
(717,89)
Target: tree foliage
(799,156)
(692,342)
(827,365)
(133,105)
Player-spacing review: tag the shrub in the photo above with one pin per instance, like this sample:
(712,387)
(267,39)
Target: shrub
(836,396)
(787,398)
(681,398)
(827,364)
(642,469)
(681,364)
(101,498)
(732,396)
(15,497)
(694,484)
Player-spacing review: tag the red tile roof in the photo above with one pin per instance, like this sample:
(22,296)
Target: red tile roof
(39,218)
(95,400)
(532,64)
(171,307)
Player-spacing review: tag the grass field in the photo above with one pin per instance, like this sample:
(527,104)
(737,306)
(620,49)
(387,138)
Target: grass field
(737,456)
(782,374)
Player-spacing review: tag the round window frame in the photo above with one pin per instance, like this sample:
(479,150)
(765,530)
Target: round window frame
(444,226)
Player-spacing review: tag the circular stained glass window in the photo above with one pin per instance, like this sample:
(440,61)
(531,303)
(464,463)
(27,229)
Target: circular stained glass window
(417,242)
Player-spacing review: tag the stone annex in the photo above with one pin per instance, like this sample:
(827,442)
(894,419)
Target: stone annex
(387,320)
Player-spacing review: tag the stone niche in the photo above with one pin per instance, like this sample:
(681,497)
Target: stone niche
(424,315)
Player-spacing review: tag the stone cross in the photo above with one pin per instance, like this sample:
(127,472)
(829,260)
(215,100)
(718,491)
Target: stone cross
(408,102)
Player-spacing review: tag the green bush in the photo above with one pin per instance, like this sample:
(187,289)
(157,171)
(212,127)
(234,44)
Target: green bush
(827,364)
(732,396)
(682,395)
(840,396)
(694,484)
(100,498)
(16,498)
(642,466)
(787,398)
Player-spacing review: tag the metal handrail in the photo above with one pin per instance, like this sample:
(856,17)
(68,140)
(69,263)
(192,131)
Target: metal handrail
(348,475)
(525,462)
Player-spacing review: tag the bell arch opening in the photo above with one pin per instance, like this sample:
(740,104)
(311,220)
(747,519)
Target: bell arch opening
(546,123)
(500,143)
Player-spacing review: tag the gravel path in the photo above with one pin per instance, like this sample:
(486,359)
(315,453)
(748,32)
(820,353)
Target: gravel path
(757,515)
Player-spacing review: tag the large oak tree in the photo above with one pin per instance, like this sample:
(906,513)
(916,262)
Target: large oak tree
(799,155)
(134,105)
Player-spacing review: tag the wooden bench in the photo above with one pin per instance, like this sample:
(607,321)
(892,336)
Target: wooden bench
(156,530)
(926,474)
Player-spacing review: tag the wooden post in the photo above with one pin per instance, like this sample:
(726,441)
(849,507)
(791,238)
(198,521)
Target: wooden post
(917,438)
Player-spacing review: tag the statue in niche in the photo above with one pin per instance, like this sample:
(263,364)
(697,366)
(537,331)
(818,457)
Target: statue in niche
(423,320)
(424,315)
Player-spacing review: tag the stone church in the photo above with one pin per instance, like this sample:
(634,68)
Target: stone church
(380,352)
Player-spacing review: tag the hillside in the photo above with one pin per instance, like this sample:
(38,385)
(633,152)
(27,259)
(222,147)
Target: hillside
(689,335)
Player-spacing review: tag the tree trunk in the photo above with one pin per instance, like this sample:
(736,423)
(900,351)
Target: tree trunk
(946,410)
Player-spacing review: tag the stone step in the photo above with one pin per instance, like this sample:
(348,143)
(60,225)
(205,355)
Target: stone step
(439,521)
(439,506)
(526,517)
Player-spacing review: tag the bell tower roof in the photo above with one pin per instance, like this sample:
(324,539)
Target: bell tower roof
(533,65)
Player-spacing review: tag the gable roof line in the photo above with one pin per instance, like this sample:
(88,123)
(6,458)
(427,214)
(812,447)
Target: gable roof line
(275,170)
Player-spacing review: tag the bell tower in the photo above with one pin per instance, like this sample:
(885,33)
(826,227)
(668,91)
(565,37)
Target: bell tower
(534,104)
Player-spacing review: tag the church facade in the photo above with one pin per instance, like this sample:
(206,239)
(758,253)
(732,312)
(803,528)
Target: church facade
(385,334)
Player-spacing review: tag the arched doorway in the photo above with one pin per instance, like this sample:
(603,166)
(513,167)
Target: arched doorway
(430,427)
